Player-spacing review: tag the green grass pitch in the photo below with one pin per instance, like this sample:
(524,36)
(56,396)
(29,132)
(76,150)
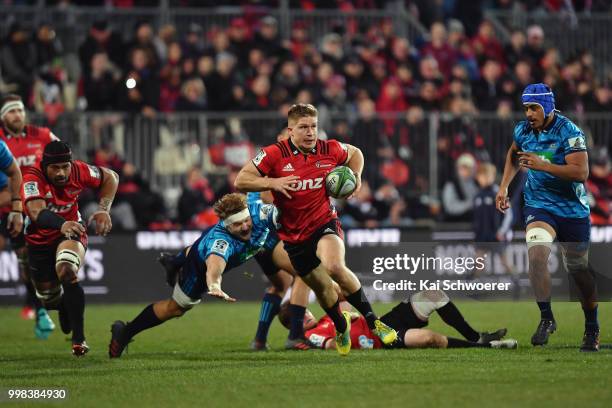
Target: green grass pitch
(203,359)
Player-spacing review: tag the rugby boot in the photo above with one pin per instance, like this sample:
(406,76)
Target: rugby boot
(546,327)
(343,340)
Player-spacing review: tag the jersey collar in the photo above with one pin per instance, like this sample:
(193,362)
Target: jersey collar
(9,135)
(297,151)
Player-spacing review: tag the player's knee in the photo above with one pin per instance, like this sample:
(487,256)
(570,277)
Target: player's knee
(66,273)
(576,263)
(337,268)
(50,297)
(537,264)
(425,302)
(67,264)
(429,339)
(174,310)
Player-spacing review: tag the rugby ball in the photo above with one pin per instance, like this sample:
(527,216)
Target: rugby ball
(340,182)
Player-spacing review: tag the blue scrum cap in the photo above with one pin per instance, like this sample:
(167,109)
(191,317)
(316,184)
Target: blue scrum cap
(539,94)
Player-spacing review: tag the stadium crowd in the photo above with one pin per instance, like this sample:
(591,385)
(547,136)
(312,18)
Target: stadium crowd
(366,73)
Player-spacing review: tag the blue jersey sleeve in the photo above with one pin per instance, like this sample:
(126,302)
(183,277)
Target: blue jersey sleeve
(253,197)
(517,135)
(573,139)
(220,246)
(264,213)
(6,158)
(216,242)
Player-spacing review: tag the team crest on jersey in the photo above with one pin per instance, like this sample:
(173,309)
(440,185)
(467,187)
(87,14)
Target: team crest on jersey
(576,143)
(260,156)
(30,189)
(322,165)
(220,246)
(94,171)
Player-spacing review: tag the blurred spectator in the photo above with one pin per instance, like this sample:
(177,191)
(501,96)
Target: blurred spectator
(486,45)
(19,60)
(192,46)
(390,101)
(165,36)
(193,96)
(267,38)
(222,83)
(486,89)
(141,86)
(143,39)
(48,46)
(147,205)
(100,84)
(240,41)
(197,196)
(515,50)
(102,38)
(438,48)
(361,210)
(368,135)
(534,50)
(459,192)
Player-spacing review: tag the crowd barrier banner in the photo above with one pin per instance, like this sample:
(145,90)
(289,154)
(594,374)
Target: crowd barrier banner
(122,268)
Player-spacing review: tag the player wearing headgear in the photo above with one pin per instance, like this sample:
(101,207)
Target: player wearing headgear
(243,232)
(56,236)
(26,143)
(294,170)
(553,149)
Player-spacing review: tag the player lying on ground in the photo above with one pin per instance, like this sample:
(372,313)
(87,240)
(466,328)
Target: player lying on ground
(55,234)
(244,231)
(554,151)
(408,318)
(26,143)
(295,170)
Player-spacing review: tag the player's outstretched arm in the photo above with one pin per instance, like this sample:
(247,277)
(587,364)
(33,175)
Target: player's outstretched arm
(108,189)
(15,219)
(511,167)
(249,179)
(215,265)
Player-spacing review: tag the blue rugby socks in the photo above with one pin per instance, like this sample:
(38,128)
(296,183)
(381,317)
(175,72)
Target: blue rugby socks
(270,306)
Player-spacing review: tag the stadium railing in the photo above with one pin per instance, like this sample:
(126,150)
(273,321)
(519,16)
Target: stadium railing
(165,147)
(72,23)
(569,33)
